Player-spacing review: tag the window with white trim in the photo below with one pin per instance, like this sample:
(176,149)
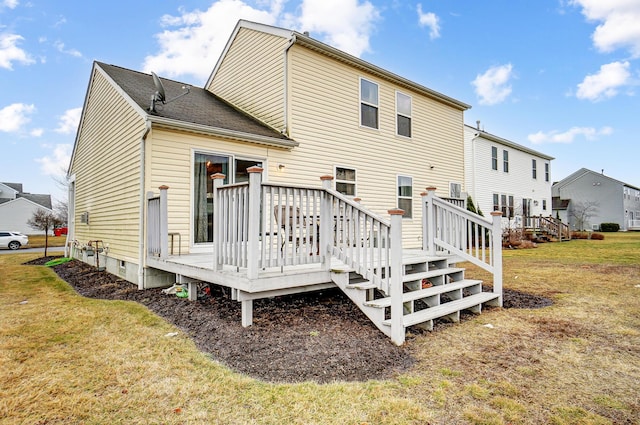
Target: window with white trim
(368,103)
(455,190)
(405,195)
(403,114)
(496,202)
(544,205)
(346,181)
(494,158)
(504,203)
(505,161)
(534,169)
(546,172)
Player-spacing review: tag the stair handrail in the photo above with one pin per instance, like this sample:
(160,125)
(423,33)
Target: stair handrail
(357,236)
(459,232)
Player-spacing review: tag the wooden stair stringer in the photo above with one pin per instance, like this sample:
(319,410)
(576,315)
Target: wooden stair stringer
(358,294)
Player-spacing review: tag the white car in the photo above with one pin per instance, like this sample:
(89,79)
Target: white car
(12,240)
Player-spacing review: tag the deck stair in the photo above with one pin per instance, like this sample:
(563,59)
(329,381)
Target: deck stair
(433,288)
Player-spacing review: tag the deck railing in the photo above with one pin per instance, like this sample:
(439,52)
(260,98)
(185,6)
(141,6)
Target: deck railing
(549,225)
(455,231)
(157,221)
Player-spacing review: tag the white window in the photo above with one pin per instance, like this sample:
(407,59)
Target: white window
(534,169)
(504,203)
(544,205)
(546,172)
(405,195)
(403,114)
(368,103)
(346,181)
(455,190)
(494,158)
(505,161)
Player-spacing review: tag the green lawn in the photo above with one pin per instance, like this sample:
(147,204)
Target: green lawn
(70,360)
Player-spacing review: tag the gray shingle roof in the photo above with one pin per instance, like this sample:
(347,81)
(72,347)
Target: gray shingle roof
(44,200)
(199,106)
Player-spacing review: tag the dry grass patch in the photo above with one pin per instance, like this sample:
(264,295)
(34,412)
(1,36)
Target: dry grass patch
(67,359)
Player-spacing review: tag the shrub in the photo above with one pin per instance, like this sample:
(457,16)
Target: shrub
(585,235)
(609,227)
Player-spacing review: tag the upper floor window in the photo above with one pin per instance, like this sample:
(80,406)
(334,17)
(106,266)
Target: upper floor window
(505,161)
(546,172)
(346,181)
(405,195)
(494,158)
(534,169)
(403,114)
(368,103)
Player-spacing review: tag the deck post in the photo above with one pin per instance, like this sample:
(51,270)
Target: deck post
(218,180)
(497,254)
(428,222)
(395,281)
(164,222)
(253,243)
(326,223)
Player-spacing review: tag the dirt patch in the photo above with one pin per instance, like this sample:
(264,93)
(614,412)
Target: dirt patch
(320,336)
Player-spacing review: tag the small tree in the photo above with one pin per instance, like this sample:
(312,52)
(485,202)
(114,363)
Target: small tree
(44,220)
(583,211)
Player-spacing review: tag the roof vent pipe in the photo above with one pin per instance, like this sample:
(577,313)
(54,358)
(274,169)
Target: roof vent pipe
(478,124)
(306,33)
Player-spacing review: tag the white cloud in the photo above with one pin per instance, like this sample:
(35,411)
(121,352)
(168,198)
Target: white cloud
(193,40)
(36,132)
(59,45)
(56,163)
(11,4)
(493,86)
(344,24)
(196,42)
(618,26)
(429,20)
(569,136)
(10,52)
(605,83)
(15,116)
(69,121)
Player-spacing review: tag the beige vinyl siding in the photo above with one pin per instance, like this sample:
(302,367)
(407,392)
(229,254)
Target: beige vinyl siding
(107,168)
(259,58)
(324,118)
(171,153)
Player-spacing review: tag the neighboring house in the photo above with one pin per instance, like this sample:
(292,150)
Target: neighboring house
(294,107)
(17,207)
(586,199)
(501,175)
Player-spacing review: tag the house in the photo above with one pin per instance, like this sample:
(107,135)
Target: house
(17,207)
(276,176)
(501,175)
(585,199)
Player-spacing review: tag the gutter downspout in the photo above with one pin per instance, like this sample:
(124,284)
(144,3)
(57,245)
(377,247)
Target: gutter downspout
(141,256)
(285,129)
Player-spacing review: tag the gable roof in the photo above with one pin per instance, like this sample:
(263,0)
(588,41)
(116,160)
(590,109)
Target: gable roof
(15,186)
(584,171)
(25,200)
(40,199)
(200,109)
(509,143)
(305,40)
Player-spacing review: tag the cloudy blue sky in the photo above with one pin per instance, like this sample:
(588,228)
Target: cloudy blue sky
(559,76)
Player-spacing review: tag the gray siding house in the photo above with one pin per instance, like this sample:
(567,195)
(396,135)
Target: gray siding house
(17,207)
(585,199)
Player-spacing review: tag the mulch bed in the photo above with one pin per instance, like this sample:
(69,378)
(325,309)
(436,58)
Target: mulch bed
(320,336)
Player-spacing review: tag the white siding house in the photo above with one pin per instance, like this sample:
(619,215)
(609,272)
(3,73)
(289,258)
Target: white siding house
(17,207)
(501,175)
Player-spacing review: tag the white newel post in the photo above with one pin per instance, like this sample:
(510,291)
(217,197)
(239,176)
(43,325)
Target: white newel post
(253,244)
(326,223)
(395,281)
(218,180)
(429,229)
(164,222)
(497,254)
